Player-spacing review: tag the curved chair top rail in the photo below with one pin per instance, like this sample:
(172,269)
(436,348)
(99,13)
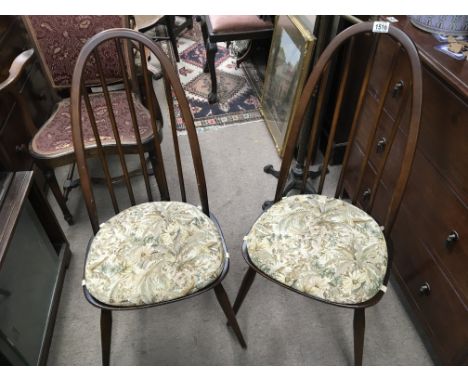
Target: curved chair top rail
(173,87)
(312,83)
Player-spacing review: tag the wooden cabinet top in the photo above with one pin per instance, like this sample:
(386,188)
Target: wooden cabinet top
(454,72)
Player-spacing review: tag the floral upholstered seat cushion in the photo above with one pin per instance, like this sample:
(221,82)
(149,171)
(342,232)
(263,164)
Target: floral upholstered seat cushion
(55,137)
(153,252)
(321,246)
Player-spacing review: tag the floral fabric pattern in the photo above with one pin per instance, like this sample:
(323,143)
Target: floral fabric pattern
(60,39)
(321,246)
(153,252)
(55,137)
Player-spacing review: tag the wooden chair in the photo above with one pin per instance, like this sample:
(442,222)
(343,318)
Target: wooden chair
(326,248)
(151,253)
(143,23)
(222,28)
(57,40)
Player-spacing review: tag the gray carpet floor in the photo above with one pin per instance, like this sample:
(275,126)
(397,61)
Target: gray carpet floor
(280,327)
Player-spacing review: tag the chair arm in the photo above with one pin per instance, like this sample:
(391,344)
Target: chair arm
(16,69)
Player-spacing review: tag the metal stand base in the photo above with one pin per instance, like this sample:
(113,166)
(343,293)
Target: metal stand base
(294,181)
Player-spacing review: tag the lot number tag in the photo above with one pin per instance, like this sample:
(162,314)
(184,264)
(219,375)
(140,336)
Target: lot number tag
(380,27)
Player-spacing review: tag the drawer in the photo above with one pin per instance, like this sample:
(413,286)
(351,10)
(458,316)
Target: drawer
(437,212)
(401,76)
(381,141)
(382,197)
(444,132)
(442,312)
(382,64)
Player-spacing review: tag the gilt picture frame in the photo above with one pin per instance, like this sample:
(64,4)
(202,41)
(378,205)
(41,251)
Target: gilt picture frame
(287,69)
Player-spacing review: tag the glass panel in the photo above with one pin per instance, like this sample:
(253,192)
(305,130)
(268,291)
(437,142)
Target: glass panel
(27,280)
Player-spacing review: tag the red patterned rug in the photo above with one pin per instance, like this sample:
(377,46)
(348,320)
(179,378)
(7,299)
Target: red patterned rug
(238,101)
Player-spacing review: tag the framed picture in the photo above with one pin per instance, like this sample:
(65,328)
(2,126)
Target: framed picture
(287,69)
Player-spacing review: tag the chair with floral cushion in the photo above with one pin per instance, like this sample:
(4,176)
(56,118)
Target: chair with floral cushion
(334,249)
(57,41)
(152,253)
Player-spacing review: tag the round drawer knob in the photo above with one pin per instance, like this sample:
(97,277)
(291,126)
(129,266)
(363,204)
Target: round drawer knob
(366,194)
(425,289)
(398,88)
(381,143)
(22,148)
(452,238)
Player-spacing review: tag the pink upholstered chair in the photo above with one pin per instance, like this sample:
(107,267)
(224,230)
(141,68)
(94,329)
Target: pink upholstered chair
(58,41)
(221,28)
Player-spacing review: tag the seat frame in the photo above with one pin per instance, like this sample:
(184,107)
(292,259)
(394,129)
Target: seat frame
(408,156)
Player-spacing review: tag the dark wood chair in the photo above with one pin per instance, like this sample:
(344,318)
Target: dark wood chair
(151,253)
(143,23)
(326,248)
(58,40)
(221,28)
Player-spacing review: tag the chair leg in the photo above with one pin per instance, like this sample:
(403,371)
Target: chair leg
(242,58)
(160,177)
(210,58)
(106,330)
(204,30)
(359,325)
(170,31)
(55,188)
(189,22)
(223,300)
(70,183)
(244,288)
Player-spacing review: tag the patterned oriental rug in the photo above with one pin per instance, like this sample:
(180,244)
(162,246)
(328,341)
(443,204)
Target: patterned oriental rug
(238,101)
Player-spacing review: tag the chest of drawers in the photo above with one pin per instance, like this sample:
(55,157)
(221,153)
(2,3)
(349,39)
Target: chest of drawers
(430,236)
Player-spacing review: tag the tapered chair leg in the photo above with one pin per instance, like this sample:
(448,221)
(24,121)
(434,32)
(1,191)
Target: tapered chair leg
(55,188)
(205,43)
(190,23)
(223,300)
(210,58)
(359,325)
(244,288)
(106,330)
(170,31)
